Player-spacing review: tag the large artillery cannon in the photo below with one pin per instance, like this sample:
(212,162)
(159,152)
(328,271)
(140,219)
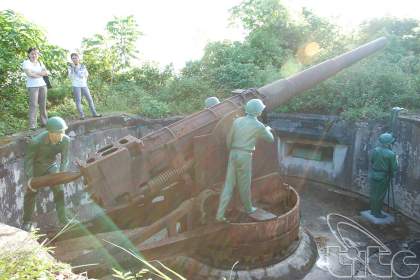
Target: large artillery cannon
(171,177)
(120,170)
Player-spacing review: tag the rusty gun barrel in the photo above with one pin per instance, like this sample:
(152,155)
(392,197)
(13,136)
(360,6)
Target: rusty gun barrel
(282,90)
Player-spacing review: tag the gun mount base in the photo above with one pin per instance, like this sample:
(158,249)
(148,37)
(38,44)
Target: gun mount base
(295,266)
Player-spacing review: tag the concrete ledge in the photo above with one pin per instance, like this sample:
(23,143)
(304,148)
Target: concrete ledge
(87,135)
(10,143)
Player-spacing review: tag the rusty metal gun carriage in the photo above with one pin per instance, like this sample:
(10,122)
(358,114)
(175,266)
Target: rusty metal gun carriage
(167,184)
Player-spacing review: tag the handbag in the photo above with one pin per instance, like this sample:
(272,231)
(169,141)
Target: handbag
(47,81)
(46,78)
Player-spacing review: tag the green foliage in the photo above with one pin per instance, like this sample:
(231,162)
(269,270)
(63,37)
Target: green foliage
(228,65)
(59,92)
(373,86)
(26,265)
(148,76)
(148,269)
(136,91)
(123,275)
(367,90)
(153,108)
(142,274)
(270,48)
(29,262)
(98,57)
(185,95)
(317,29)
(257,14)
(270,29)
(109,53)
(273,48)
(120,97)
(275,37)
(17,35)
(122,35)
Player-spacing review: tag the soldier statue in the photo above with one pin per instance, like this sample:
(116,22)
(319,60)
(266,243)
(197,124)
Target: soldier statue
(241,141)
(40,159)
(211,101)
(383,168)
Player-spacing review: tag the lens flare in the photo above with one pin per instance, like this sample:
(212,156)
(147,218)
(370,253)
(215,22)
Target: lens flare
(307,53)
(311,49)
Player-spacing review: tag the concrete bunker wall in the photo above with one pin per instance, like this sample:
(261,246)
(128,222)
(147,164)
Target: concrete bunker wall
(323,149)
(87,137)
(330,151)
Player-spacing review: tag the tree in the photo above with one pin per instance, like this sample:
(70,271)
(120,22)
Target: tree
(229,65)
(403,47)
(369,89)
(148,77)
(276,37)
(98,56)
(256,14)
(17,35)
(271,34)
(123,34)
(273,41)
(114,51)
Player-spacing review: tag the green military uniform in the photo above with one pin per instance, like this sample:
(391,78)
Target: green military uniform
(40,159)
(383,168)
(241,142)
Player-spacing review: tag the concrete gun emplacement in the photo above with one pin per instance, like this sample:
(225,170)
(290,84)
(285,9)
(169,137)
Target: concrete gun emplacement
(133,167)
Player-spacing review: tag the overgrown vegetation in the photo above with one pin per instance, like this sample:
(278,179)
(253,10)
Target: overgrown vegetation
(29,260)
(273,48)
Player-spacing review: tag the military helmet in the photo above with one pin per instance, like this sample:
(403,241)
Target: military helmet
(386,138)
(211,101)
(56,124)
(254,107)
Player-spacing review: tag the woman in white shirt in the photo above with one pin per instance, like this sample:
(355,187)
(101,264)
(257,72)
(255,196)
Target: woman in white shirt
(37,88)
(78,75)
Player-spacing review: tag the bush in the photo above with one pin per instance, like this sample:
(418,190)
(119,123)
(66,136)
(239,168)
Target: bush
(367,90)
(185,95)
(153,108)
(148,77)
(59,92)
(30,261)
